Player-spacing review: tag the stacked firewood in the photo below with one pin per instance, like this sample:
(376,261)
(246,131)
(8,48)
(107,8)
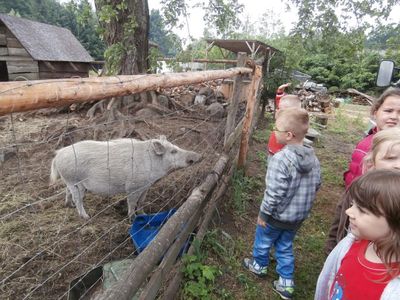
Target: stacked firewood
(316,101)
(192,89)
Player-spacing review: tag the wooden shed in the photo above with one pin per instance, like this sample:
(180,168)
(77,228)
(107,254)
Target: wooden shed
(31,50)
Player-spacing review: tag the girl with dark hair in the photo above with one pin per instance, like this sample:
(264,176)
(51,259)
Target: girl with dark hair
(366,263)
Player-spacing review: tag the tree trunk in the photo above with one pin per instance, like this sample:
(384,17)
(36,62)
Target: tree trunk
(125,25)
(129,28)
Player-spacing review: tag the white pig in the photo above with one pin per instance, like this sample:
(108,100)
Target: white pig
(116,166)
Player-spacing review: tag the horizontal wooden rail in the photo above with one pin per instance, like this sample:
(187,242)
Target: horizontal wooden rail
(141,267)
(29,95)
(174,284)
(202,60)
(162,272)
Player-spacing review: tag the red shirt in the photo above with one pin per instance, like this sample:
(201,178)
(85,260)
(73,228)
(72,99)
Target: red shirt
(273,145)
(358,278)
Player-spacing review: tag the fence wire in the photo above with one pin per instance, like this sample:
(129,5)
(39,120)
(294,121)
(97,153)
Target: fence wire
(45,245)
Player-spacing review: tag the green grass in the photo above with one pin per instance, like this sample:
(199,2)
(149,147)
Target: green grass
(261,135)
(227,251)
(262,157)
(243,190)
(348,127)
(332,170)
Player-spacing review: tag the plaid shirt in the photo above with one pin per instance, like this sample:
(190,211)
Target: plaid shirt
(292,180)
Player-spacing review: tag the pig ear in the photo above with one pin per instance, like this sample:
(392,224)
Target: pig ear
(158,147)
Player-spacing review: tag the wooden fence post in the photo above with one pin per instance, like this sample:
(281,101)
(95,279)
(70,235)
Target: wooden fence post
(251,100)
(233,107)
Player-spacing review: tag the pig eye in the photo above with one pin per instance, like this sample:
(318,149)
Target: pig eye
(173,151)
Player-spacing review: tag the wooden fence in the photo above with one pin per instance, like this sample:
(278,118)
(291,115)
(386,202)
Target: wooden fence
(146,273)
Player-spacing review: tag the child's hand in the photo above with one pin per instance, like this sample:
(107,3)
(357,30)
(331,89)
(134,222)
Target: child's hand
(284,86)
(261,222)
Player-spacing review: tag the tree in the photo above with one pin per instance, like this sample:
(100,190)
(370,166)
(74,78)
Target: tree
(82,21)
(223,15)
(170,44)
(332,36)
(270,25)
(125,26)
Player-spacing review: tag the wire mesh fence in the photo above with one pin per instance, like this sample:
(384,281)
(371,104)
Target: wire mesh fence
(44,244)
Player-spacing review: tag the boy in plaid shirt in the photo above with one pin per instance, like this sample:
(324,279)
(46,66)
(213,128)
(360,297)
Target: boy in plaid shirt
(292,180)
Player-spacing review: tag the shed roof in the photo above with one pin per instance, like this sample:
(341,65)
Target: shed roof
(248,46)
(46,42)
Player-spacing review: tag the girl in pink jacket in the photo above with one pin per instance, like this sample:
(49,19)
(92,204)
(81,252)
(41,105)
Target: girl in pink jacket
(386,114)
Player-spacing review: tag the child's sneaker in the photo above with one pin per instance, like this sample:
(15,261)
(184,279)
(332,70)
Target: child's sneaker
(251,265)
(286,292)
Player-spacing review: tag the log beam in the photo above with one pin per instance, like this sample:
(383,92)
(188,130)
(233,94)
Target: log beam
(30,95)
(141,267)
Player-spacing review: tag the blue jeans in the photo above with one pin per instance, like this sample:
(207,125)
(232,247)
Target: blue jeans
(282,240)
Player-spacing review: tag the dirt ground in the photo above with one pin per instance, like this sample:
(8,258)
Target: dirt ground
(43,244)
(234,229)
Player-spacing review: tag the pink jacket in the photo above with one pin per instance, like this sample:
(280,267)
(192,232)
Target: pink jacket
(355,166)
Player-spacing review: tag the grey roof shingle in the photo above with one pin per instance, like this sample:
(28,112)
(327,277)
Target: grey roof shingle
(46,42)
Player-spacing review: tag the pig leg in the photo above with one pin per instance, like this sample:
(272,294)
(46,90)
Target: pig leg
(133,199)
(78,192)
(139,208)
(68,198)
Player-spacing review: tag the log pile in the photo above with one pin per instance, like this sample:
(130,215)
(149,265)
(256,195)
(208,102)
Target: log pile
(315,101)
(204,97)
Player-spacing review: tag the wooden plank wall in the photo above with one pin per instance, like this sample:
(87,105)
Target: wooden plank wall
(20,64)
(51,70)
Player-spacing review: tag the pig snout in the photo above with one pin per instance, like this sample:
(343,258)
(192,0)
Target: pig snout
(193,158)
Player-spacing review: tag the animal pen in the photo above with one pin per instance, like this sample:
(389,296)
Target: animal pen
(45,245)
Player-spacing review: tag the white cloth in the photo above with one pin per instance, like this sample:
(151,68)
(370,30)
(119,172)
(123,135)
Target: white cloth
(331,267)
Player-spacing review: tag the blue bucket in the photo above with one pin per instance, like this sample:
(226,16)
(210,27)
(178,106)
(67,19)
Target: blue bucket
(145,227)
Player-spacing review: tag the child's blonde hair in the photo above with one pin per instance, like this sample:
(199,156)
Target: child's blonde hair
(290,100)
(296,120)
(378,192)
(388,135)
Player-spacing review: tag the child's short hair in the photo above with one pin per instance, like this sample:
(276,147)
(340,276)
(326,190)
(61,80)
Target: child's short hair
(378,192)
(388,135)
(295,120)
(290,100)
(391,91)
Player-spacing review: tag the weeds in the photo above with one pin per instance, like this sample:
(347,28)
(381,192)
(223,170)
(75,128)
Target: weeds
(262,135)
(230,252)
(244,189)
(346,126)
(199,278)
(262,156)
(334,150)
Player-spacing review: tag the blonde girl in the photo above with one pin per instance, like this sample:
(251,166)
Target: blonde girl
(366,263)
(384,154)
(385,151)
